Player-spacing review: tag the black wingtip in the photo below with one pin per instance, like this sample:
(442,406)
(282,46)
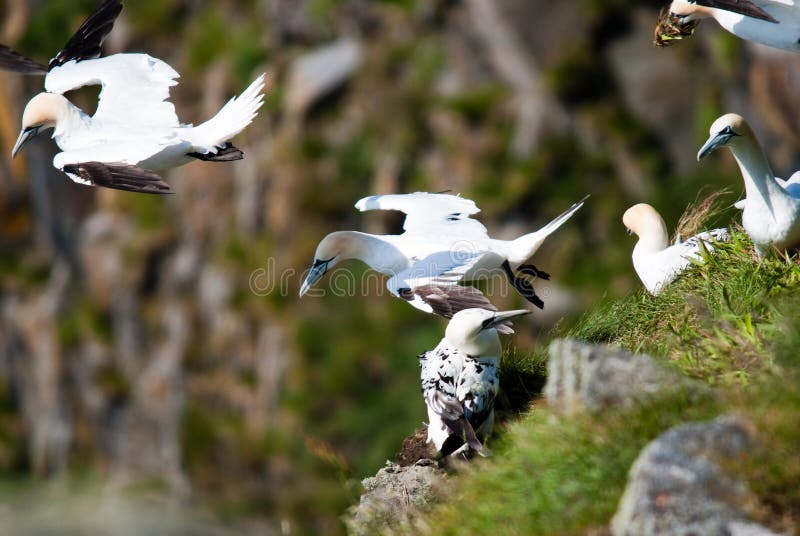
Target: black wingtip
(742,7)
(86,41)
(119,177)
(227,153)
(11,60)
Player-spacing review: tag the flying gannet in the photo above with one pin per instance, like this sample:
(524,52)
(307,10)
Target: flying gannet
(460,380)
(135,131)
(657,263)
(441,246)
(774,23)
(771,207)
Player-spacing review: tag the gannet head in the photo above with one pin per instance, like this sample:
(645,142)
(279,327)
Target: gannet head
(473,330)
(688,11)
(335,247)
(728,130)
(648,225)
(42,112)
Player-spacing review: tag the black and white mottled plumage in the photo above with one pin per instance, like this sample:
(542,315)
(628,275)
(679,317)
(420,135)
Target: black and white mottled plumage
(460,380)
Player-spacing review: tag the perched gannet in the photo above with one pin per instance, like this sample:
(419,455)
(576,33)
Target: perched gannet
(441,246)
(657,263)
(135,130)
(774,23)
(771,208)
(460,380)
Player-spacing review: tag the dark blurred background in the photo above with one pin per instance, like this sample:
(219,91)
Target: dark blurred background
(151,378)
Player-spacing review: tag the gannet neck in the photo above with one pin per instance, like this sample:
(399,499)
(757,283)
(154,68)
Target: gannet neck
(52,110)
(759,181)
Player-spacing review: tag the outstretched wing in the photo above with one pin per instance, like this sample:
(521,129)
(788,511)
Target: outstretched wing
(135,88)
(86,41)
(430,213)
(84,44)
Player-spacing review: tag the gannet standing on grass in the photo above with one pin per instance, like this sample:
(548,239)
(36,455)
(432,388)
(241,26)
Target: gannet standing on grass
(460,380)
(771,208)
(657,263)
(775,23)
(135,131)
(440,247)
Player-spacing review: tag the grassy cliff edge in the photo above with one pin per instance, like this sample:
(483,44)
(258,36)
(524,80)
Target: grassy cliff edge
(732,323)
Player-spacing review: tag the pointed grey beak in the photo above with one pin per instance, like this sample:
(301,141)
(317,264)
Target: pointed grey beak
(317,271)
(502,316)
(24,137)
(714,143)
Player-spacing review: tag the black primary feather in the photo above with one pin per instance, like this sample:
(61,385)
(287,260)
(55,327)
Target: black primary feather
(119,177)
(227,153)
(85,43)
(11,60)
(742,7)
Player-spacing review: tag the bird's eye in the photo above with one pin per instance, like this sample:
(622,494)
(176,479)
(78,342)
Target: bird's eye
(320,262)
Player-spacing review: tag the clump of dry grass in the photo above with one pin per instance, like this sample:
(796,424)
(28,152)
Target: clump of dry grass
(669,29)
(699,212)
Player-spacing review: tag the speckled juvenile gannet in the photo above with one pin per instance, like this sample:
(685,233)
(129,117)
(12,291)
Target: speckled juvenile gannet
(135,131)
(774,23)
(460,380)
(771,208)
(657,263)
(440,247)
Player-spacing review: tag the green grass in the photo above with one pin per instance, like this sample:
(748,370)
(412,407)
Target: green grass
(731,323)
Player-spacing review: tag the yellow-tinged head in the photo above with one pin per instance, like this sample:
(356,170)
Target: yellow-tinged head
(43,111)
(647,223)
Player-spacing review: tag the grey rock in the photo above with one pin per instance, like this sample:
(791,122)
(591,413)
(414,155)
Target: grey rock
(678,485)
(392,496)
(583,377)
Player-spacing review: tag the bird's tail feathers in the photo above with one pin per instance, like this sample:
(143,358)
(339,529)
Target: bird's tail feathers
(230,120)
(525,246)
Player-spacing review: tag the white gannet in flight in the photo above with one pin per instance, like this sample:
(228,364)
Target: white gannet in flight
(440,247)
(657,263)
(135,131)
(774,23)
(460,380)
(771,207)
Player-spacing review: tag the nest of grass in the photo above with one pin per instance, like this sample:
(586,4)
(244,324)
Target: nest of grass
(699,212)
(669,28)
